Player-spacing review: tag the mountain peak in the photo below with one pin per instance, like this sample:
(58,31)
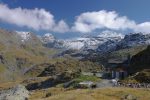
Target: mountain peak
(48,35)
(47,38)
(110,34)
(24,35)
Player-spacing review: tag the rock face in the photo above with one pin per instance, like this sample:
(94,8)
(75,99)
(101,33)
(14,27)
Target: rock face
(80,43)
(135,39)
(129,97)
(129,41)
(16,93)
(92,42)
(102,44)
(24,35)
(47,38)
(141,60)
(106,41)
(140,66)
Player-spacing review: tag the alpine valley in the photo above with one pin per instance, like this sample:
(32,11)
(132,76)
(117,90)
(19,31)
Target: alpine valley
(74,50)
(43,62)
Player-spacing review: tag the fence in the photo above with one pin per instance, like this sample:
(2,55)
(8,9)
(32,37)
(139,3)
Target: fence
(132,85)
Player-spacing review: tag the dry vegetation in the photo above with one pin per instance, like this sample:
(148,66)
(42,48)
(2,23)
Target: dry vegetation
(89,94)
(59,93)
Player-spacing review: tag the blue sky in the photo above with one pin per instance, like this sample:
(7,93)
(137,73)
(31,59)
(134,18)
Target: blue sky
(64,13)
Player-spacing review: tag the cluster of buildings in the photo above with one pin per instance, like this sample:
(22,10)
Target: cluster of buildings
(115,69)
(119,69)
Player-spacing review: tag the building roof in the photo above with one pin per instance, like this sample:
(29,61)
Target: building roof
(115,61)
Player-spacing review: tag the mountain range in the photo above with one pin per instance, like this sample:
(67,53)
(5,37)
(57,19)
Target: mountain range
(103,42)
(23,54)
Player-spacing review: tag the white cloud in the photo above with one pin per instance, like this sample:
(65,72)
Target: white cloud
(37,19)
(89,21)
(61,27)
(143,27)
(40,19)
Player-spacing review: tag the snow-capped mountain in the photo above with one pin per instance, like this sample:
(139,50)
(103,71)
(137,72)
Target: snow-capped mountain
(47,38)
(24,35)
(130,40)
(110,34)
(135,39)
(106,41)
(108,46)
(93,42)
(28,38)
(81,43)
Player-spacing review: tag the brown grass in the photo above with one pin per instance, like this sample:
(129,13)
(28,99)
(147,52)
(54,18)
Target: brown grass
(89,94)
(58,93)
(7,85)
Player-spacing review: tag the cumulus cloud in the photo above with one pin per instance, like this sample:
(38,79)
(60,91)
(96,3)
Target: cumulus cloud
(89,21)
(143,27)
(40,19)
(61,27)
(37,19)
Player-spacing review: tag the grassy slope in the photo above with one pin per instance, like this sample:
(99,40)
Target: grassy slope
(123,53)
(86,94)
(58,93)
(141,60)
(118,54)
(82,78)
(16,59)
(140,67)
(17,56)
(65,64)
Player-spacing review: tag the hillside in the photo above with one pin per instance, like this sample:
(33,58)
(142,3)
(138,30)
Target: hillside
(91,94)
(23,55)
(140,66)
(141,60)
(17,55)
(68,65)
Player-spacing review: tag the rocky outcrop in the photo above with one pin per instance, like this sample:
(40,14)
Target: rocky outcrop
(141,60)
(134,39)
(50,82)
(140,66)
(129,97)
(18,92)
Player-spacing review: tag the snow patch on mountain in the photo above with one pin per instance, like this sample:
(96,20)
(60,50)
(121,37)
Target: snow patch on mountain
(92,42)
(135,39)
(130,40)
(47,38)
(106,41)
(24,35)
(110,34)
(80,43)
(74,44)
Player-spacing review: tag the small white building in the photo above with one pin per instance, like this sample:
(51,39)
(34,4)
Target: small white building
(86,83)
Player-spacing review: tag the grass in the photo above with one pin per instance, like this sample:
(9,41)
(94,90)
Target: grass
(124,52)
(7,85)
(2,47)
(129,80)
(89,94)
(59,93)
(2,68)
(87,78)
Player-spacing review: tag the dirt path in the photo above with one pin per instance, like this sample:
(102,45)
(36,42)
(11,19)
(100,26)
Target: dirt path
(104,83)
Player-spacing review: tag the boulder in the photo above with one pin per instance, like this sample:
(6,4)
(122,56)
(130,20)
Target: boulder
(129,97)
(18,92)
